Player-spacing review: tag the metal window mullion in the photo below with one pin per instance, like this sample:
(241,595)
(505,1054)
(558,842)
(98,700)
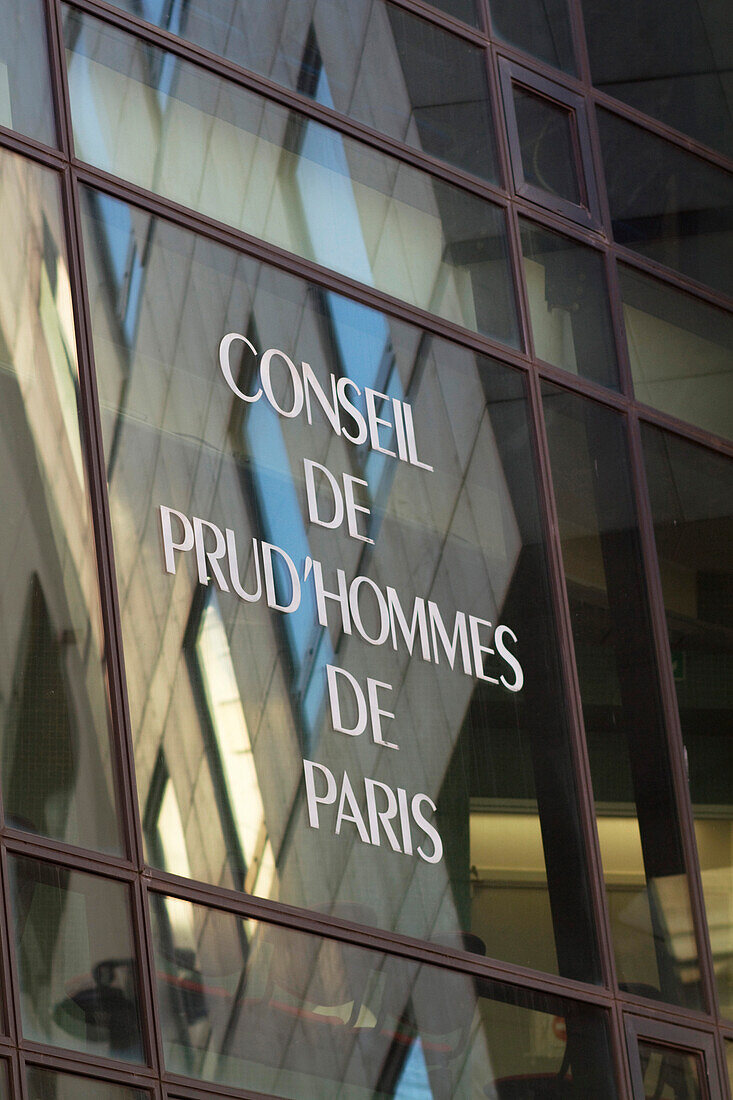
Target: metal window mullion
(670,713)
(576,725)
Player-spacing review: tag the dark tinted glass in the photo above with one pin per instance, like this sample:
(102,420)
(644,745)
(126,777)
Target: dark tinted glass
(25,88)
(263,763)
(671,59)
(47,1084)
(680,350)
(466,10)
(646,884)
(668,204)
(549,159)
(691,493)
(568,304)
(671,1074)
(54,745)
(277,1011)
(76,962)
(540,28)
(209,144)
(376,63)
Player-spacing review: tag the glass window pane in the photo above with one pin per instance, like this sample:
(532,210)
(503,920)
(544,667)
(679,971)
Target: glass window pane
(668,204)
(549,159)
(568,304)
(174,128)
(76,961)
(729,1061)
(646,883)
(466,10)
(282,1012)
(376,63)
(681,352)
(258,768)
(540,28)
(55,761)
(4,1082)
(671,59)
(691,494)
(26,104)
(671,1074)
(47,1084)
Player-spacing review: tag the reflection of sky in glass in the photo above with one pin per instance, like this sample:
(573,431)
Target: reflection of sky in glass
(413,1083)
(123,258)
(283,526)
(361,334)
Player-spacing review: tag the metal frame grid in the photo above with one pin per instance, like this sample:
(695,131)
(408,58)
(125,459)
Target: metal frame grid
(628,1014)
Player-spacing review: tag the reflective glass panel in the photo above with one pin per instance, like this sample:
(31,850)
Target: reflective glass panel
(540,28)
(26,104)
(374,62)
(671,59)
(568,304)
(54,746)
(47,1084)
(548,144)
(680,350)
(75,958)
(466,10)
(357,711)
(4,1084)
(646,884)
(671,1074)
(691,493)
(282,1012)
(729,1061)
(208,144)
(668,204)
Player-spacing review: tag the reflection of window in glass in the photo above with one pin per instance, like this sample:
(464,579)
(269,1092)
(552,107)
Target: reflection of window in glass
(644,868)
(680,350)
(298,1015)
(691,495)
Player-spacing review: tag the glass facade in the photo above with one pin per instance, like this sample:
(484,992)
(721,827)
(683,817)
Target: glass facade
(365,671)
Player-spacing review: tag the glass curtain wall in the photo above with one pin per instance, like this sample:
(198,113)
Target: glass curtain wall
(365,653)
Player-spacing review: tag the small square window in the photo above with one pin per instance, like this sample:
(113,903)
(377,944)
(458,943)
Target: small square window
(549,144)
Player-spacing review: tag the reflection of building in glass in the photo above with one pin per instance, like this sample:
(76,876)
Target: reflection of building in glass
(365,665)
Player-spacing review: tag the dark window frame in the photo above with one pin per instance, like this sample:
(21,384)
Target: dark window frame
(130,868)
(587,211)
(674,1037)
